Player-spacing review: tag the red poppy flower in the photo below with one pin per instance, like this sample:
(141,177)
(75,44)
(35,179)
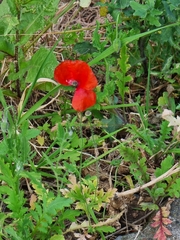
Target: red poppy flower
(79,74)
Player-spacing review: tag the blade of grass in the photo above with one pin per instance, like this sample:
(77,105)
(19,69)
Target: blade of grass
(127,40)
(89,161)
(37,105)
(5,106)
(32,86)
(148,86)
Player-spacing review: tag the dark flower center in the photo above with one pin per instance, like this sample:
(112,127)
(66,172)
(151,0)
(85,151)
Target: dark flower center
(73,83)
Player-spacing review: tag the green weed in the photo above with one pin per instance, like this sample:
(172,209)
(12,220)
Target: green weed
(62,172)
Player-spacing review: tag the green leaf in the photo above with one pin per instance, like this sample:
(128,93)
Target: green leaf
(7,47)
(97,43)
(123,4)
(59,203)
(5,189)
(124,66)
(127,40)
(4,9)
(140,10)
(12,233)
(173,4)
(149,206)
(36,62)
(151,3)
(73,155)
(15,203)
(60,133)
(9,24)
(12,7)
(166,164)
(70,215)
(4,148)
(174,190)
(32,133)
(6,173)
(164,131)
(57,237)
(163,100)
(113,123)
(84,47)
(106,229)
(37,105)
(153,19)
(117,44)
(35,17)
(159,191)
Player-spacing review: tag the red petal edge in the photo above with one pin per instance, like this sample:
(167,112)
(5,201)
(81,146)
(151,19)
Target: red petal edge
(83,99)
(75,70)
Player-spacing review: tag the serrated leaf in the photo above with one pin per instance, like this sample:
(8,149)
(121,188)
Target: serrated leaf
(74,155)
(59,203)
(70,215)
(174,190)
(7,47)
(5,189)
(6,173)
(166,164)
(11,232)
(15,203)
(153,21)
(159,192)
(149,206)
(140,9)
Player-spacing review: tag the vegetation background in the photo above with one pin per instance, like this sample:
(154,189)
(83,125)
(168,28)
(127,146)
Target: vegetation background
(100,173)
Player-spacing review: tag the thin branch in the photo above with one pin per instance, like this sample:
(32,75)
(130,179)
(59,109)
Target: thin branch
(170,172)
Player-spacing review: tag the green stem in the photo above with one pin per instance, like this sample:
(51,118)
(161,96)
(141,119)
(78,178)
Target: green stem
(90,162)
(80,162)
(148,87)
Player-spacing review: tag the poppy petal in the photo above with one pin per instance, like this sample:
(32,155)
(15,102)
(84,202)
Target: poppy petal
(69,71)
(83,99)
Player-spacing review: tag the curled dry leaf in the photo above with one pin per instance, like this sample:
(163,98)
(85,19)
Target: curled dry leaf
(32,201)
(168,115)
